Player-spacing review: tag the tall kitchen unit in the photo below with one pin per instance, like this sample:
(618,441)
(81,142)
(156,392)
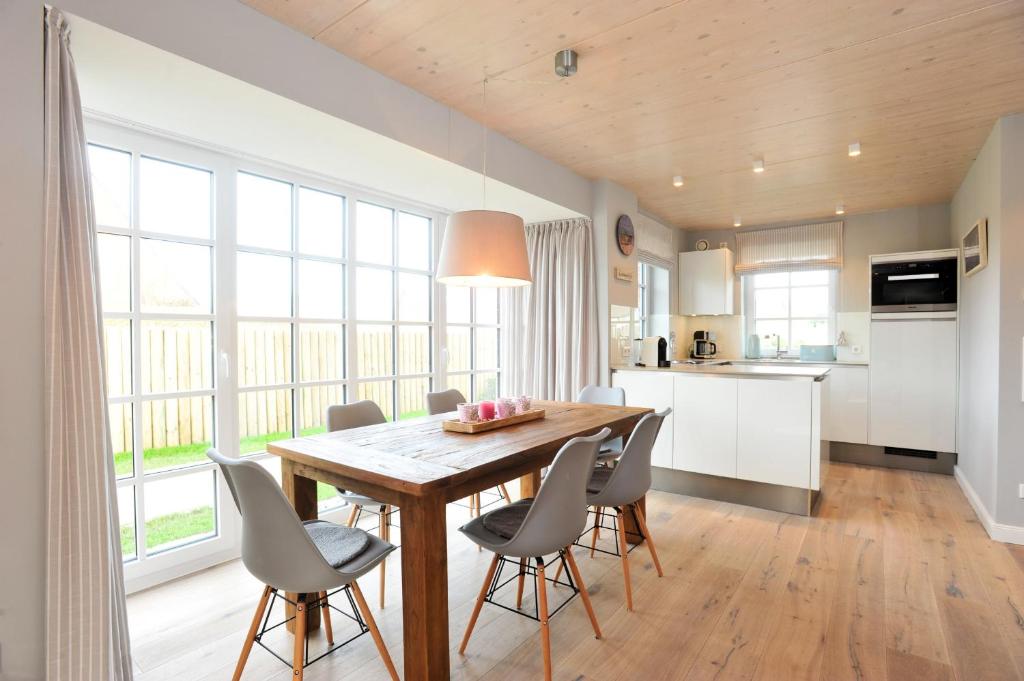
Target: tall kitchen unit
(913,375)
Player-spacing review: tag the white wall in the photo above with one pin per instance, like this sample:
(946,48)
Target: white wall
(235,40)
(1009,506)
(992,331)
(978,429)
(22,507)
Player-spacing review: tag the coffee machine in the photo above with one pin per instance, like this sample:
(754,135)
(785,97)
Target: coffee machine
(654,352)
(703,346)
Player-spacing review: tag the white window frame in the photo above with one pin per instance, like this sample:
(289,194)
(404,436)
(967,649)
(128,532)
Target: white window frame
(750,311)
(225,164)
(473,325)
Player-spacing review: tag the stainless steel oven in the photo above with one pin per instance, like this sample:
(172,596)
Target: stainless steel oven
(926,285)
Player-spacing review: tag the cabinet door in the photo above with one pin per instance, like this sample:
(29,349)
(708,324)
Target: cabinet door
(913,384)
(651,389)
(705,428)
(847,417)
(706,282)
(774,432)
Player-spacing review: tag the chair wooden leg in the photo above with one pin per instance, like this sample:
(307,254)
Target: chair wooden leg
(597,531)
(353,515)
(504,493)
(642,522)
(624,550)
(479,604)
(545,632)
(575,570)
(298,658)
(261,607)
(558,573)
(522,583)
(385,534)
(371,624)
(325,611)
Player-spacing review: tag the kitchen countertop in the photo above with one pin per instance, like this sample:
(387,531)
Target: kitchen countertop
(758,370)
(792,361)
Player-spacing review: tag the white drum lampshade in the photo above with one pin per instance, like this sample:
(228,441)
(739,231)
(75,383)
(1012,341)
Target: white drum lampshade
(484,248)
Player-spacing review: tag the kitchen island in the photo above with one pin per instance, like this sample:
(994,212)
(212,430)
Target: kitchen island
(744,433)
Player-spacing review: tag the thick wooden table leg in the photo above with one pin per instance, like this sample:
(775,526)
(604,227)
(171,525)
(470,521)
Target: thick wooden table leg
(633,533)
(425,588)
(529,484)
(301,492)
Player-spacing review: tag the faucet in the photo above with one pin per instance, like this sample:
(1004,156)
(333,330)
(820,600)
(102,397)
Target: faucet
(778,346)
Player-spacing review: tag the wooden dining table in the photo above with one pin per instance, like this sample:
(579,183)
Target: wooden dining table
(419,467)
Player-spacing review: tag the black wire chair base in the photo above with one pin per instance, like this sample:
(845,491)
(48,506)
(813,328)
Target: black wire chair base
(599,517)
(380,514)
(495,496)
(354,616)
(529,570)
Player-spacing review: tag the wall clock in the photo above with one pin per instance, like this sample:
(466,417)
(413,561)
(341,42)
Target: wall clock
(624,234)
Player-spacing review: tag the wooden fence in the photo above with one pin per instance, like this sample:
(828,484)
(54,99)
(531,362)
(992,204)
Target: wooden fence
(177,357)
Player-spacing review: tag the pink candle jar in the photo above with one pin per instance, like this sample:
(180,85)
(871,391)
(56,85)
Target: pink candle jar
(505,407)
(522,404)
(468,412)
(486,410)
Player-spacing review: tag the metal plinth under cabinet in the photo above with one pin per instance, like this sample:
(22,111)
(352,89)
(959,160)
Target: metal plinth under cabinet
(795,500)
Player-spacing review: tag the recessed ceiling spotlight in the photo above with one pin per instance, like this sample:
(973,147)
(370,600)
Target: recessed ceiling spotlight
(758,165)
(854,149)
(677,181)
(736,222)
(840,209)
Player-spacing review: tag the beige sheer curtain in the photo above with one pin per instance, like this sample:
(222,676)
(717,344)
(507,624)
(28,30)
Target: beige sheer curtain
(549,330)
(86,623)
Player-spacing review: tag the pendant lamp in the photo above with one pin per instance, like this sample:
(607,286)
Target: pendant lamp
(484,248)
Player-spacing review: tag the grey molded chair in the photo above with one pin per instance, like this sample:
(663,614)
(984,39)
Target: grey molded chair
(616,397)
(447,401)
(534,528)
(308,559)
(622,487)
(358,415)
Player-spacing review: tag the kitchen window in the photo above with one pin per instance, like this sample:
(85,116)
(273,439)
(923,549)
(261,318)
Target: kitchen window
(652,299)
(790,309)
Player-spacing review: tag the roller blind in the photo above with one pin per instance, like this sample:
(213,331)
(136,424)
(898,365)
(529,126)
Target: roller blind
(790,249)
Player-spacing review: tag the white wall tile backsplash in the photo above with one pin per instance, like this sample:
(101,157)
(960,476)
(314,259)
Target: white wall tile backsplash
(857,327)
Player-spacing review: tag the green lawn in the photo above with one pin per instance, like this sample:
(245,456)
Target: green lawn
(177,526)
(170,528)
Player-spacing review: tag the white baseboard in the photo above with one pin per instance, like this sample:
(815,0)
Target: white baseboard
(1009,534)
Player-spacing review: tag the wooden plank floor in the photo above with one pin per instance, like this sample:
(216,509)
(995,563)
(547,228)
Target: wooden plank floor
(894,578)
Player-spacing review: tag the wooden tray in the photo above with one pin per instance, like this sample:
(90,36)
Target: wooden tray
(457,426)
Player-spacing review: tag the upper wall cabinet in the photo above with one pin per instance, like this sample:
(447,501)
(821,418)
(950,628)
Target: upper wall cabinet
(706,282)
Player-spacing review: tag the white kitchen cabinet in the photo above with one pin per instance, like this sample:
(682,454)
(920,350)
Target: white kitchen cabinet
(705,428)
(706,282)
(775,430)
(913,384)
(847,417)
(651,389)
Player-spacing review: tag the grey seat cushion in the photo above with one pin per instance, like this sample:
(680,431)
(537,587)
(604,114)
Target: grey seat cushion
(599,479)
(338,544)
(507,520)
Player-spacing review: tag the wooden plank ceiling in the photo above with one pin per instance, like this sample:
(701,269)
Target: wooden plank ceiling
(700,88)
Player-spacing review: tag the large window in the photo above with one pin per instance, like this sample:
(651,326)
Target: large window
(790,309)
(156,248)
(652,300)
(393,308)
(472,342)
(240,301)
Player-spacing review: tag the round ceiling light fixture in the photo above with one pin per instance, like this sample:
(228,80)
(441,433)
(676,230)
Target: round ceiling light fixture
(566,63)
(677,181)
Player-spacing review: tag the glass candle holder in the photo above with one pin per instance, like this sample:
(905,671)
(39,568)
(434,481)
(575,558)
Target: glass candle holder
(468,412)
(486,410)
(505,407)
(522,404)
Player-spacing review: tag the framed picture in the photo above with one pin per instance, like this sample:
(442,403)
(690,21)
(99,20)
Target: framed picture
(975,248)
(624,234)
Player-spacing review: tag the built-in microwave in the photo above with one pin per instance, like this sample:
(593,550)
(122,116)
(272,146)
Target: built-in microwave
(925,285)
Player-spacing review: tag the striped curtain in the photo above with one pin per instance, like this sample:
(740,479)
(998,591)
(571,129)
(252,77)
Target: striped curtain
(86,622)
(549,330)
(790,249)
